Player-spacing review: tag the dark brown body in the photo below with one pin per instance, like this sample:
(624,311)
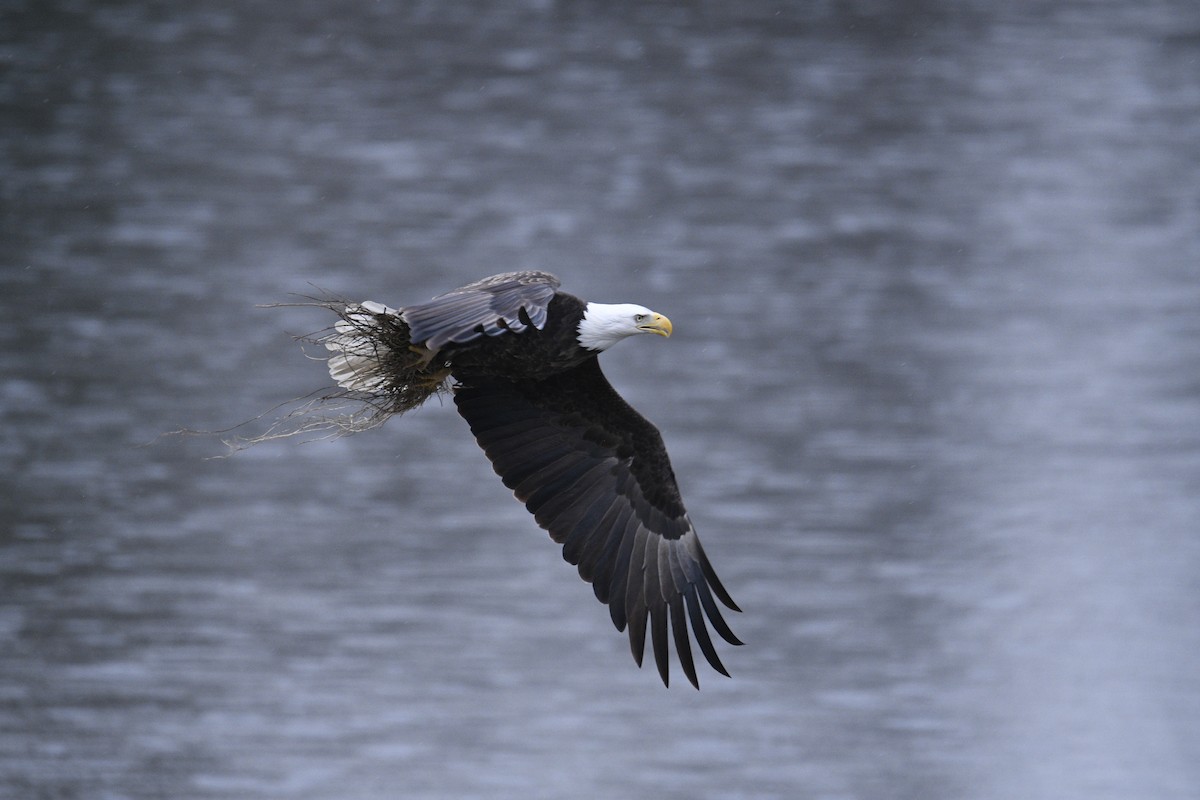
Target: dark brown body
(531,355)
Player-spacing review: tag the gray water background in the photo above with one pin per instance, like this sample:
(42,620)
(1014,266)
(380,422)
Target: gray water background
(933,396)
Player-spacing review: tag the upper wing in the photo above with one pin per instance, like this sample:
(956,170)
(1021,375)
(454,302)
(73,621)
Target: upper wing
(595,474)
(507,302)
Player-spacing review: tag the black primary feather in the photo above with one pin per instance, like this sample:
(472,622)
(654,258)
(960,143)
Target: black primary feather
(595,475)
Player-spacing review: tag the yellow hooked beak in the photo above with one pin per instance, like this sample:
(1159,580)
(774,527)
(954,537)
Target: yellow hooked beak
(657,323)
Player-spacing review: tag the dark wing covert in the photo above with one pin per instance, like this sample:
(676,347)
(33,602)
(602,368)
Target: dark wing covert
(507,302)
(596,475)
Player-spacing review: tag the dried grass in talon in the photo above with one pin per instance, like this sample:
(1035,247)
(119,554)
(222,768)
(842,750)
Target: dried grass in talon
(374,359)
(326,417)
(379,373)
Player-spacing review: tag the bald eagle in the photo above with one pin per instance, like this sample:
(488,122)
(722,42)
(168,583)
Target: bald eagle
(520,357)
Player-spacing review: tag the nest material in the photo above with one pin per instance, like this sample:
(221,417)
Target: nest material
(375,360)
(379,371)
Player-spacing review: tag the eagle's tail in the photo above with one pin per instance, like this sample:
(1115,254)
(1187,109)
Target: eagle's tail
(373,358)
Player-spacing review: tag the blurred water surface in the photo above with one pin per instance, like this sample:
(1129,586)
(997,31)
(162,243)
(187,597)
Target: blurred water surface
(933,397)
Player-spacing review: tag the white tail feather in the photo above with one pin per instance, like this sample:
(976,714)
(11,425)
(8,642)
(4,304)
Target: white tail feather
(355,364)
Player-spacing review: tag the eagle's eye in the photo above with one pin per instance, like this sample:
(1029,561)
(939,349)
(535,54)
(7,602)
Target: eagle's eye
(639,317)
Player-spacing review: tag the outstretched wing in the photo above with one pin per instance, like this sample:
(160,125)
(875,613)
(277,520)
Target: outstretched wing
(508,302)
(595,474)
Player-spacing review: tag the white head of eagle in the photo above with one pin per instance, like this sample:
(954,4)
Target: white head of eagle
(605,324)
